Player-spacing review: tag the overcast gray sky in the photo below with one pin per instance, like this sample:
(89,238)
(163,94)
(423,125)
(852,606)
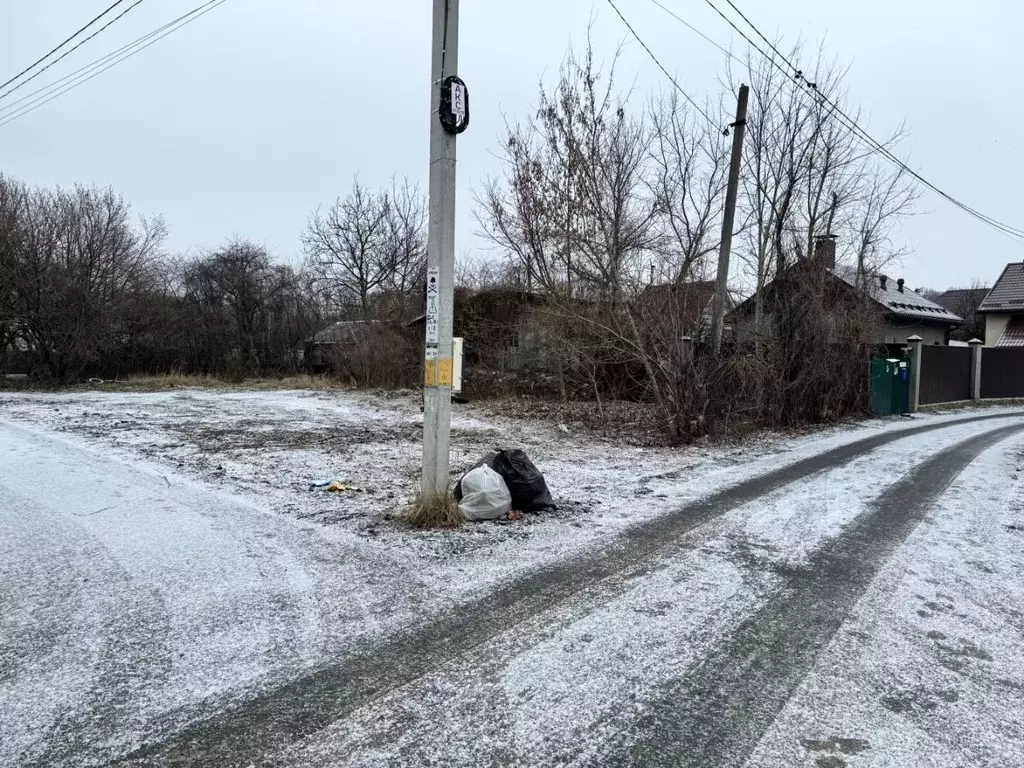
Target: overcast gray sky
(247,120)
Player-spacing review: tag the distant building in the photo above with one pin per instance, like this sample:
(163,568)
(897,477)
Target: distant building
(965,302)
(685,306)
(319,351)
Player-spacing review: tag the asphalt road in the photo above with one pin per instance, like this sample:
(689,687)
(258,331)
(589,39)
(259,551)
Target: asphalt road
(61,562)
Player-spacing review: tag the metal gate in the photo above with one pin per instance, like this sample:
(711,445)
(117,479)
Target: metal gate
(1002,372)
(945,374)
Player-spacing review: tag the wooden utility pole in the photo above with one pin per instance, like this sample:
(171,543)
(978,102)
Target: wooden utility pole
(728,219)
(437,396)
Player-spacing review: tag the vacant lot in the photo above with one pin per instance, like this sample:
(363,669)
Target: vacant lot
(273,446)
(173,592)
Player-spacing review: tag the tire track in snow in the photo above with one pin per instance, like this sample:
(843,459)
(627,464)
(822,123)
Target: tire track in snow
(717,715)
(246,733)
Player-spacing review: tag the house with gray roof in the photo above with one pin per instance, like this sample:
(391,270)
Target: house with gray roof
(319,351)
(1003,308)
(907,313)
(903,312)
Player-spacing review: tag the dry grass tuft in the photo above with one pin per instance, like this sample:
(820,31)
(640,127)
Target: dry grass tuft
(438,511)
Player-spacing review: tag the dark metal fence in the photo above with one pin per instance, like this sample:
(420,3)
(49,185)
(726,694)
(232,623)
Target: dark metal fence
(1002,372)
(946,374)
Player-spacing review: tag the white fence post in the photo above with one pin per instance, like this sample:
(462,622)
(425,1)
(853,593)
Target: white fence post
(916,343)
(976,347)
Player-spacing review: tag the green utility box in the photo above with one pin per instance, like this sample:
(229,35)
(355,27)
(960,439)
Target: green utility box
(890,386)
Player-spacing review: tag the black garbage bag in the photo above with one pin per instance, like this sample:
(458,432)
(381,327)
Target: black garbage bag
(525,482)
(488,460)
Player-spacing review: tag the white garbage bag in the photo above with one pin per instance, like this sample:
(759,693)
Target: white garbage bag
(484,495)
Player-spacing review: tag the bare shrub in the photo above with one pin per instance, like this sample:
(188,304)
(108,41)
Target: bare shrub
(376,355)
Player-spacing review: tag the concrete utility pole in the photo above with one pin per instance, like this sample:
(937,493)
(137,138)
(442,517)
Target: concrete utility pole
(437,399)
(722,284)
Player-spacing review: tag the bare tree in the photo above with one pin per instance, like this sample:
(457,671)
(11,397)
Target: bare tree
(572,210)
(613,217)
(69,263)
(808,173)
(405,250)
(246,313)
(367,244)
(687,179)
(589,199)
(346,247)
(881,198)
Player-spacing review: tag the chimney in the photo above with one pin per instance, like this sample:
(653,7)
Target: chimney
(899,285)
(825,251)
(883,281)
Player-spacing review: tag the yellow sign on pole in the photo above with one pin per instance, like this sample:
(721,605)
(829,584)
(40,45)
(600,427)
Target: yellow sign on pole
(444,372)
(430,373)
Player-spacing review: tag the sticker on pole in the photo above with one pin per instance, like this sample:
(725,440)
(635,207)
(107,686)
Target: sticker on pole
(434,305)
(444,372)
(459,103)
(430,367)
(454,112)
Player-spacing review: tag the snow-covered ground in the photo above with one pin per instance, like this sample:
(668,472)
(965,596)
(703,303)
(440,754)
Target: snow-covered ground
(163,558)
(272,446)
(928,669)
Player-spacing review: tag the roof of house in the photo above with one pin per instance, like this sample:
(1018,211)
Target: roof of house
(962,299)
(1007,295)
(687,304)
(336,333)
(690,299)
(1013,335)
(905,303)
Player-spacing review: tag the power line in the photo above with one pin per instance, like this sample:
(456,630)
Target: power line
(851,124)
(67,53)
(692,28)
(848,122)
(31,66)
(11,107)
(758,31)
(661,67)
(80,77)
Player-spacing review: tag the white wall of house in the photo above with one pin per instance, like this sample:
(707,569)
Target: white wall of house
(893,331)
(994,327)
(896,332)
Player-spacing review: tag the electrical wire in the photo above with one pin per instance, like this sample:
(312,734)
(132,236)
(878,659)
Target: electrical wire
(848,122)
(12,106)
(693,29)
(654,58)
(769,43)
(80,77)
(67,53)
(34,64)
(1016,234)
